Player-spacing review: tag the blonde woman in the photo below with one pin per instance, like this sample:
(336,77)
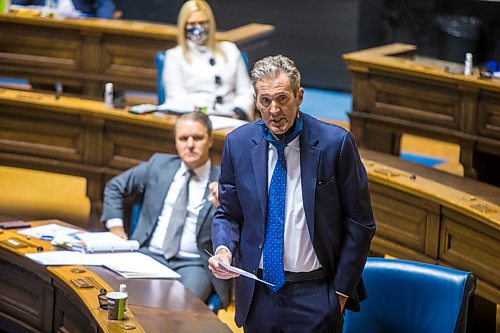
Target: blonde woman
(201,72)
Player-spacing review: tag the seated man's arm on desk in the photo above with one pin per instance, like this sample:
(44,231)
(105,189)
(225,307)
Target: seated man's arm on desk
(129,183)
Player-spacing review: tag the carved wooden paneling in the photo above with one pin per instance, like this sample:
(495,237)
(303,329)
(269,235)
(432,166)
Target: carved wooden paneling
(71,317)
(402,218)
(471,246)
(30,132)
(29,44)
(415,100)
(488,117)
(125,145)
(25,297)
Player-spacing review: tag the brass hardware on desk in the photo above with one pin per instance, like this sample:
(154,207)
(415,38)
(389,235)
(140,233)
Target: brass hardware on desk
(16,243)
(128,327)
(484,208)
(82,283)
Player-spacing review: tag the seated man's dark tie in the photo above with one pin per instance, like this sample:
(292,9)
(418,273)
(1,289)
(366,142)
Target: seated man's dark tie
(172,240)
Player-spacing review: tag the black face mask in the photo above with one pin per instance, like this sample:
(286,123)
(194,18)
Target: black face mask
(197,34)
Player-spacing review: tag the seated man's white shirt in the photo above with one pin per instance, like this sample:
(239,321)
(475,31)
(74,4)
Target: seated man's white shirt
(197,188)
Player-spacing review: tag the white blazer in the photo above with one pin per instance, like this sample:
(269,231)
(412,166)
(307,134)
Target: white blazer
(193,84)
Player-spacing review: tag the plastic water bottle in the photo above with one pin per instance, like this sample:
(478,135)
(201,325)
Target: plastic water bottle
(468,64)
(123,289)
(108,95)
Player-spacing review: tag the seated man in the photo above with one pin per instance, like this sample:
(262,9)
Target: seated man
(177,211)
(91,8)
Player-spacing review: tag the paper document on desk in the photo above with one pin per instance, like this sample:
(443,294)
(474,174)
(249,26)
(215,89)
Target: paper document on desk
(47,231)
(132,265)
(138,266)
(239,271)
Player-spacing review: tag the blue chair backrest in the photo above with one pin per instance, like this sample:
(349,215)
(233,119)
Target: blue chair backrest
(160,61)
(407,296)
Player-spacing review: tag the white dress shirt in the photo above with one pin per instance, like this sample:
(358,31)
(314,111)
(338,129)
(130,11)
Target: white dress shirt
(298,251)
(197,188)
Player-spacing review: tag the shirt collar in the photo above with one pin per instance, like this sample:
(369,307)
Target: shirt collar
(202,172)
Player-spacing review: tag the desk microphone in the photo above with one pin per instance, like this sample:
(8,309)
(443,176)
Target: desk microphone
(212,61)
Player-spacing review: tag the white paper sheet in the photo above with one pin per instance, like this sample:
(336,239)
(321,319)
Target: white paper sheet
(239,271)
(133,265)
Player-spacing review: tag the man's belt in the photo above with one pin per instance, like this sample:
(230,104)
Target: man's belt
(317,274)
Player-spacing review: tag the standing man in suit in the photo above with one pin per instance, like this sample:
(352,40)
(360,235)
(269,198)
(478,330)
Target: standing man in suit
(92,8)
(294,210)
(177,208)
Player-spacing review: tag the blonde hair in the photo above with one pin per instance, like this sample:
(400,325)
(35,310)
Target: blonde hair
(187,9)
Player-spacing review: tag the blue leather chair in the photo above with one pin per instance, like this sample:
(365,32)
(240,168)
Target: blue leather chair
(214,302)
(407,296)
(160,60)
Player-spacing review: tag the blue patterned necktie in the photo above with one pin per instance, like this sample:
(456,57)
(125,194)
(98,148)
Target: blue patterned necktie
(274,271)
(273,242)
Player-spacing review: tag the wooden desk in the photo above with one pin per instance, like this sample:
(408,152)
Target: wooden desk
(82,138)
(394,93)
(427,215)
(37,298)
(84,54)
(436,217)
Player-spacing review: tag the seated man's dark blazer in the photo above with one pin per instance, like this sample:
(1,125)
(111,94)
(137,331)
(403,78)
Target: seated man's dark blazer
(98,8)
(152,180)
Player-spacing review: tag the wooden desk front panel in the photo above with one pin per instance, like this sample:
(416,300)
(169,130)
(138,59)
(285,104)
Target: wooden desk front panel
(128,61)
(70,315)
(405,220)
(25,299)
(42,55)
(473,247)
(415,100)
(125,145)
(33,132)
(488,115)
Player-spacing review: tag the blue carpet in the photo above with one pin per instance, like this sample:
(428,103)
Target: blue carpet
(424,160)
(327,104)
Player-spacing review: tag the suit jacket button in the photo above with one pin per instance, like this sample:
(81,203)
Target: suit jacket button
(260,245)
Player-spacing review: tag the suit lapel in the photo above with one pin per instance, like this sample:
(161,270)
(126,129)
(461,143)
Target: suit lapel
(309,162)
(165,179)
(213,177)
(259,162)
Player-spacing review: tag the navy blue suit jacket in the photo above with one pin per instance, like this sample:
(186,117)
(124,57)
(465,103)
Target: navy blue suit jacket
(98,8)
(336,203)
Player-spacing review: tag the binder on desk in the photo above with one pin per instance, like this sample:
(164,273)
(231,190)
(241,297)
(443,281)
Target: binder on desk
(95,242)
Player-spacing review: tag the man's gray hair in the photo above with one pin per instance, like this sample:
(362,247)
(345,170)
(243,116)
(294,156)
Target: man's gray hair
(272,67)
(200,117)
